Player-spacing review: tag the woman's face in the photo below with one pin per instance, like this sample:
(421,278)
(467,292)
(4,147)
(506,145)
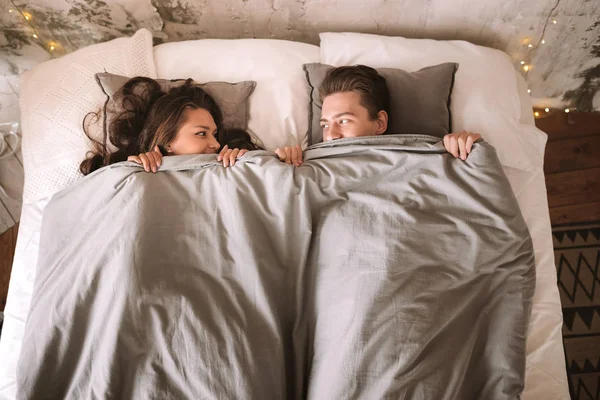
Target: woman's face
(197,134)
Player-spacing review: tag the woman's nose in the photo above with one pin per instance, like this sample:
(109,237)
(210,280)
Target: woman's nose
(214,144)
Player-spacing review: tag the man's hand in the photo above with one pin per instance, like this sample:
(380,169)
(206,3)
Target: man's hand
(290,155)
(460,144)
(151,160)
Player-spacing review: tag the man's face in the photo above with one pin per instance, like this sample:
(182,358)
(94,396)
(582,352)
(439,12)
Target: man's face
(342,116)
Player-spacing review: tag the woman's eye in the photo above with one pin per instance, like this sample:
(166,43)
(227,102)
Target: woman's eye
(201,133)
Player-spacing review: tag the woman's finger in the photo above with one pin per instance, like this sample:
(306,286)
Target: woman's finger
(241,153)
(226,158)
(145,161)
(288,155)
(135,159)
(158,154)
(222,153)
(233,156)
(153,160)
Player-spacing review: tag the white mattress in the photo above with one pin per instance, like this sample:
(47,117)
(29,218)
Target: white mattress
(545,373)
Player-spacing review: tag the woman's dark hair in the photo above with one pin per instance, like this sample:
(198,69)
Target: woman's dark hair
(365,81)
(146,116)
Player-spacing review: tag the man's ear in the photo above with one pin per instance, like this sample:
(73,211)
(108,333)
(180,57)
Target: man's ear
(382,122)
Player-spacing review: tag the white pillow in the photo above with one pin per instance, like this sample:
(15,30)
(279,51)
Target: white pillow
(279,104)
(55,97)
(484,97)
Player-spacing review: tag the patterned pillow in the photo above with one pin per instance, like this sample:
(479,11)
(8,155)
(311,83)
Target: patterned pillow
(56,95)
(232,98)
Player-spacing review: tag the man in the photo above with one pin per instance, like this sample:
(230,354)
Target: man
(356,103)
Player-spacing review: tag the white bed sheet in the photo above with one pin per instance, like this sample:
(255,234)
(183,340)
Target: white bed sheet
(545,371)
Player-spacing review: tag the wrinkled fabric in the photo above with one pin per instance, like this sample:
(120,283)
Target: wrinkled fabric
(383,267)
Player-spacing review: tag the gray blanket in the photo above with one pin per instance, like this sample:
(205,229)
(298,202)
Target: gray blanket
(383,267)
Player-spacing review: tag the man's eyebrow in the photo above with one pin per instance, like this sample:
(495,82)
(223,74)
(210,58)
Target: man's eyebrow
(338,115)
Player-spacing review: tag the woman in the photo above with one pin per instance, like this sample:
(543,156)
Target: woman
(151,124)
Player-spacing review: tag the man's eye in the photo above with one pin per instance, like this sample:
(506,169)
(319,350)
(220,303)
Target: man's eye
(343,121)
(324,126)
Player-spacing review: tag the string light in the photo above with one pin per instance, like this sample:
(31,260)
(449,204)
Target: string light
(566,110)
(522,62)
(526,68)
(543,41)
(528,90)
(537,114)
(51,46)
(530,45)
(547,109)
(554,21)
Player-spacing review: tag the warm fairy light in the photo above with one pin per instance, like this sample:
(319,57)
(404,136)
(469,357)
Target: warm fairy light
(526,68)
(543,41)
(528,90)
(547,109)
(526,40)
(51,47)
(530,45)
(566,110)
(35,36)
(27,16)
(554,21)
(10,10)
(537,114)
(522,62)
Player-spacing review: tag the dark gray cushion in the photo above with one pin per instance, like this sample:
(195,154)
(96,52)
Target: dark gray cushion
(232,98)
(419,101)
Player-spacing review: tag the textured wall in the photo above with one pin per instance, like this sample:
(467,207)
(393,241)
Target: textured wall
(565,68)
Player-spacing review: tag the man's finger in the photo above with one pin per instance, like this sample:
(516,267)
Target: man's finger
(288,155)
(280,154)
(294,158)
(462,142)
(469,144)
(453,146)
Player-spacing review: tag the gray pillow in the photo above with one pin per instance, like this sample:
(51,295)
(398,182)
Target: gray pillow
(419,101)
(232,98)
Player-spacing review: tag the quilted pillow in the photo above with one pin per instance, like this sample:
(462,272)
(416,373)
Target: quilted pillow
(55,97)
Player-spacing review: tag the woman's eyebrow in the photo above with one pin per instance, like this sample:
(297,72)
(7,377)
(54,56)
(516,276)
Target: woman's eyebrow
(202,126)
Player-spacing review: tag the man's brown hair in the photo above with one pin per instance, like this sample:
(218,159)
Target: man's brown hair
(365,81)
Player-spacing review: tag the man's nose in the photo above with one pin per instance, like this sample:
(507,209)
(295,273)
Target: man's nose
(335,132)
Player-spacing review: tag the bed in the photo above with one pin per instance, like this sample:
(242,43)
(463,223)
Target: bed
(277,66)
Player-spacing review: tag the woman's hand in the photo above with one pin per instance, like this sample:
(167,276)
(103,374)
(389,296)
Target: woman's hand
(460,144)
(151,160)
(290,155)
(228,156)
